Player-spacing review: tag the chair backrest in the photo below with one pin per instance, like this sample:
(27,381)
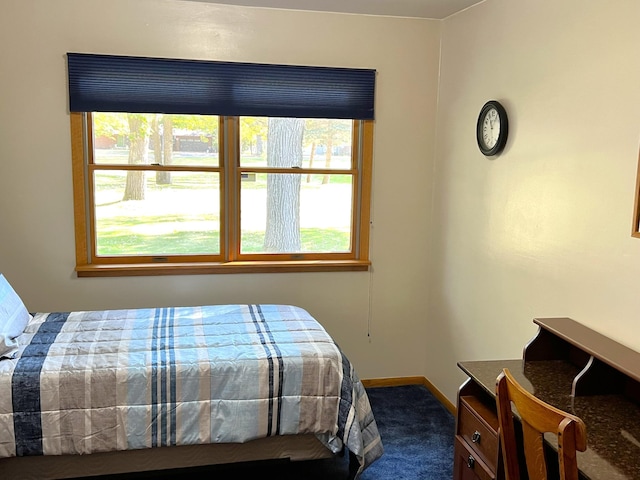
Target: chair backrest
(536,418)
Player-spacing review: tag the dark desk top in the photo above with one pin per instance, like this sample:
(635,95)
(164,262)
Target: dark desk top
(613,422)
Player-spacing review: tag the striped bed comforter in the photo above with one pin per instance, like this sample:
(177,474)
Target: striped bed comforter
(99,381)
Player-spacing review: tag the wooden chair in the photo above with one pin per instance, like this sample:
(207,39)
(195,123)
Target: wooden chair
(536,418)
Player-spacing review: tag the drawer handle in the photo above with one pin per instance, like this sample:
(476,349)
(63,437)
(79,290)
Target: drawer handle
(475,438)
(471,462)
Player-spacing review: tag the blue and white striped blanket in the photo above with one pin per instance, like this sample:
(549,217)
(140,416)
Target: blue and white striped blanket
(98,381)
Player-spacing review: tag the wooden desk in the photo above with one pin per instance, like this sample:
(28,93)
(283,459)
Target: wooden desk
(573,368)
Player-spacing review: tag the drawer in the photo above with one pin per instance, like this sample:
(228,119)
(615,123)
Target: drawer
(467,465)
(478,426)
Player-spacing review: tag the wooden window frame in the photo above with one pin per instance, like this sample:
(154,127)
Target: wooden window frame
(230,260)
(635,227)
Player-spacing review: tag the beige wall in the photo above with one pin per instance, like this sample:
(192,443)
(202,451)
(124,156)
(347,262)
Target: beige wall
(36,209)
(544,229)
(466,250)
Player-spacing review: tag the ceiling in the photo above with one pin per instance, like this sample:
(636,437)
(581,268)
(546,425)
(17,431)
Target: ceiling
(436,9)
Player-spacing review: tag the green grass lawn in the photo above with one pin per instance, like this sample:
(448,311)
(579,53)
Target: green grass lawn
(208,243)
(182,218)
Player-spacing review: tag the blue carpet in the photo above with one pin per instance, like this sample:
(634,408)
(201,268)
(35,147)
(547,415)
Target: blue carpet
(417,433)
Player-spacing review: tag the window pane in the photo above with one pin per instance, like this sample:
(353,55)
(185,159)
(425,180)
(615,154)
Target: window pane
(291,142)
(134,138)
(295,213)
(157,213)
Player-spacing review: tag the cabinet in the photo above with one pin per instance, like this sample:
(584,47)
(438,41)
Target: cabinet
(477,452)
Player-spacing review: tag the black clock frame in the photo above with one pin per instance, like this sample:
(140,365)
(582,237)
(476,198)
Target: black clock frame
(504,128)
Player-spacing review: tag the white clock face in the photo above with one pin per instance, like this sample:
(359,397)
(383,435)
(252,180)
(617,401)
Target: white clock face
(491,128)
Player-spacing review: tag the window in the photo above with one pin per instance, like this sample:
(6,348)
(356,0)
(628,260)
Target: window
(190,192)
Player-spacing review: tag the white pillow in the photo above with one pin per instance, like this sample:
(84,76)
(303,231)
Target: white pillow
(13,319)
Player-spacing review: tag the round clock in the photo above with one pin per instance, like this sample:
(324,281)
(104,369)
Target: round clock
(492,128)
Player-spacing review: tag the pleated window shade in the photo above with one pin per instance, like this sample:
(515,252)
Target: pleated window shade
(109,83)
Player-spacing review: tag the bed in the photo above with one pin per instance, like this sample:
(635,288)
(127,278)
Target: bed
(94,392)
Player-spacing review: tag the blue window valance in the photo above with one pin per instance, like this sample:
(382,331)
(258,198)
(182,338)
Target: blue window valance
(109,83)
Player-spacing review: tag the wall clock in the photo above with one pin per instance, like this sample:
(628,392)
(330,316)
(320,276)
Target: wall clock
(492,128)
